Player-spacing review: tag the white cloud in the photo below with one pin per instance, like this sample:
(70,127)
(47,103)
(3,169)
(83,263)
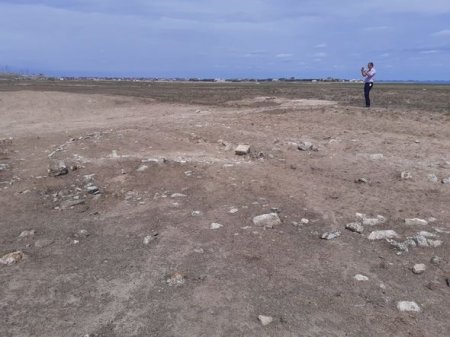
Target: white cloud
(320,45)
(444,32)
(429,51)
(284,55)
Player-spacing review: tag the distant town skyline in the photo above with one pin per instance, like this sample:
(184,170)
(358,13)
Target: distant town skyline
(407,40)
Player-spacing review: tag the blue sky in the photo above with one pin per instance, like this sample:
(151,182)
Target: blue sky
(406,39)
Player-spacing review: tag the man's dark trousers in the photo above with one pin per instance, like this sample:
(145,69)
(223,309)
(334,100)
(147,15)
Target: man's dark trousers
(367,87)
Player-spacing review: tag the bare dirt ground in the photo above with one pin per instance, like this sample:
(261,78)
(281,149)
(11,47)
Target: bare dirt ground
(162,157)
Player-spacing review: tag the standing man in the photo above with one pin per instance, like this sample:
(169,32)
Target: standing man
(368,75)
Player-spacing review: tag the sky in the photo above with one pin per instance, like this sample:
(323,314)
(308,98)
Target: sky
(406,39)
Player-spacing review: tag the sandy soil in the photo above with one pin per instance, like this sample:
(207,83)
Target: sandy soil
(164,163)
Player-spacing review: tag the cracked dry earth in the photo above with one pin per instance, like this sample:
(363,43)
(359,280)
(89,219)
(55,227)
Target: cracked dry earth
(138,254)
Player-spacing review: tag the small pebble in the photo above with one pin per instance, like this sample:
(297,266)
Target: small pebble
(408,306)
(215,225)
(359,277)
(419,268)
(265,320)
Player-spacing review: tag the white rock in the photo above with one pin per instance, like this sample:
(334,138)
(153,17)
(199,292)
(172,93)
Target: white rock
(176,280)
(12,258)
(408,306)
(233,211)
(376,156)
(196,213)
(330,235)
(359,277)
(199,250)
(306,146)
(178,195)
(242,149)
(355,227)
(57,168)
(27,233)
(419,268)
(142,168)
(374,221)
(434,243)
(265,320)
(267,220)
(304,221)
(215,225)
(416,222)
(383,234)
(148,239)
(427,234)
(446,181)
(405,175)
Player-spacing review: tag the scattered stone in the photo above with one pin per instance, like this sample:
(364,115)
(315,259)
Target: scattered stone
(215,225)
(57,168)
(376,156)
(196,213)
(265,320)
(267,220)
(362,181)
(71,203)
(420,240)
(436,260)
(142,168)
(150,238)
(416,222)
(3,167)
(408,306)
(82,233)
(307,146)
(330,235)
(178,195)
(431,220)
(405,175)
(432,178)
(373,221)
(176,280)
(383,234)
(12,258)
(233,211)
(92,189)
(199,250)
(419,268)
(42,243)
(402,246)
(434,243)
(242,149)
(355,227)
(359,277)
(427,234)
(446,181)
(27,233)
(304,221)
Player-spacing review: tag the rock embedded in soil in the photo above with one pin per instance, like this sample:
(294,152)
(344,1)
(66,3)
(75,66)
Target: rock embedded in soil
(373,221)
(330,235)
(376,156)
(215,225)
(436,260)
(405,175)
(242,149)
(24,234)
(307,146)
(355,227)
(265,320)
(383,234)
(57,168)
(419,268)
(432,178)
(176,280)
(71,203)
(12,258)
(267,220)
(408,306)
(446,181)
(359,277)
(416,222)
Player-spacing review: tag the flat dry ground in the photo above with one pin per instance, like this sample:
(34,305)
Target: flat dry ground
(110,284)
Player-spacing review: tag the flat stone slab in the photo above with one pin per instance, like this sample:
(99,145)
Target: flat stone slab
(242,149)
(267,220)
(384,234)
